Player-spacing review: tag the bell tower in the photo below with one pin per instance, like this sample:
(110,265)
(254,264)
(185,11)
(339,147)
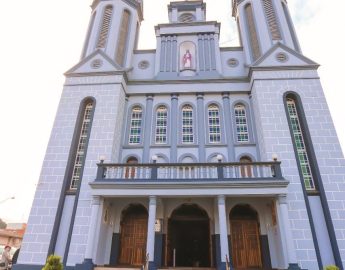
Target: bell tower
(263,23)
(114,28)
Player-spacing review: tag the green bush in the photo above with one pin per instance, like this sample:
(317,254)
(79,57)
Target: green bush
(331,267)
(53,263)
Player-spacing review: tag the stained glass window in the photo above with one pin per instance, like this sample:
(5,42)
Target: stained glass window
(241,124)
(161,125)
(298,138)
(82,144)
(135,126)
(214,124)
(187,124)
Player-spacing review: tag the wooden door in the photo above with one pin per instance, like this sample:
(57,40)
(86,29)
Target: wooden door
(245,244)
(133,240)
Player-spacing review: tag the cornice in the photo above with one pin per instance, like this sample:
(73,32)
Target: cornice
(194,81)
(280,68)
(215,23)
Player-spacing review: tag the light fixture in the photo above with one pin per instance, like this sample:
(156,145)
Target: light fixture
(274,157)
(219,157)
(102,158)
(154,158)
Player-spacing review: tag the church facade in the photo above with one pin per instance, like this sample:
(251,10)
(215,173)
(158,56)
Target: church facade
(190,155)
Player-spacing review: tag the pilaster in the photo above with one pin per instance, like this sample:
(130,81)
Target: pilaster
(147,132)
(174,131)
(224,245)
(150,245)
(201,127)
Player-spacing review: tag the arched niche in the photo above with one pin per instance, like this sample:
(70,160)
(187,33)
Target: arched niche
(187,57)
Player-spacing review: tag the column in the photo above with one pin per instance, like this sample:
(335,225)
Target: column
(201,53)
(163,54)
(207,52)
(174,59)
(92,236)
(213,52)
(228,127)
(223,232)
(150,245)
(168,54)
(201,127)
(147,131)
(174,131)
(286,235)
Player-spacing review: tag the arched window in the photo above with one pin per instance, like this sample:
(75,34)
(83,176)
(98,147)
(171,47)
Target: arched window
(187,124)
(253,37)
(105,27)
(131,170)
(246,169)
(80,153)
(161,125)
(213,124)
(241,123)
(135,126)
(300,146)
(123,36)
(271,19)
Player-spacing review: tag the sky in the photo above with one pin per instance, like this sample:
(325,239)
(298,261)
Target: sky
(40,40)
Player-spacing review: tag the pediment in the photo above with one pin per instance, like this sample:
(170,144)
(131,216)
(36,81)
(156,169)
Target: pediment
(282,56)
(97,62)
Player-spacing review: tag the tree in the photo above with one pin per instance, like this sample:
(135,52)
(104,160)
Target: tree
(53,263)
(3,224)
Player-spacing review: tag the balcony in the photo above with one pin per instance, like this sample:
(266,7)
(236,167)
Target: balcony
(185,172)
(194,179)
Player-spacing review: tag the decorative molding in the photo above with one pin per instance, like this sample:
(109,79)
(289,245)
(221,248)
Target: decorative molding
(232,62)
(96,64)
(144,64)
(282,57)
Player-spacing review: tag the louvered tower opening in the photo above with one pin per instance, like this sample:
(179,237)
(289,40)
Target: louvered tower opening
(256,53)
(271,19)
(104,32)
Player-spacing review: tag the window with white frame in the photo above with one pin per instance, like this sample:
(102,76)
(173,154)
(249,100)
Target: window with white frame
(161,125)
(213,124)
(135,125)
(298,138)
(241,123)
(187,124)
(81,147)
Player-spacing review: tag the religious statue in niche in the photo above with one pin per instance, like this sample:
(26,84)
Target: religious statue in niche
(187,60)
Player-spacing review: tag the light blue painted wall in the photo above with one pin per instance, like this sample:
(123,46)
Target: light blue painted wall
(64,225)
(321,230)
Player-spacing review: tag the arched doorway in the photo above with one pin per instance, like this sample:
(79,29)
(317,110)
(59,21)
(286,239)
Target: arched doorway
(189,237)
(133,235)
(245,238)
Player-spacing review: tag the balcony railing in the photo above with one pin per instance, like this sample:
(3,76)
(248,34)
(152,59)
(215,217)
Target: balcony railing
(175,172)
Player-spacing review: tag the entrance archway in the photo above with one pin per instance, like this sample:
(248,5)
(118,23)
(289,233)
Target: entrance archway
(133,235)
(245,238)
(189,237)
